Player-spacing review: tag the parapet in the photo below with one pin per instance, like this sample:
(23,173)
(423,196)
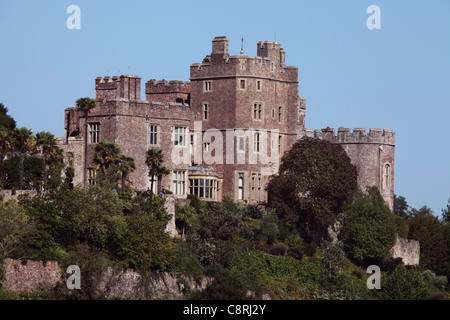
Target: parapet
(125,87)
(173,91)
(164,86)
(345,136)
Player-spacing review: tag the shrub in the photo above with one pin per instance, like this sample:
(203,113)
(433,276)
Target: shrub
(278,249)
(227,285)
(404,283)
(309,249)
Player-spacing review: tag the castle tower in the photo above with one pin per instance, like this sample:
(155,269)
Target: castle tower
(247,93)
(372,153)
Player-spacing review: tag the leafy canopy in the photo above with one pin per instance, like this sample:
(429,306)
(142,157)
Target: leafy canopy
(314,182)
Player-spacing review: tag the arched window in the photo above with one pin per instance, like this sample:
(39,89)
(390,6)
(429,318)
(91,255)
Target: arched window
(387,175)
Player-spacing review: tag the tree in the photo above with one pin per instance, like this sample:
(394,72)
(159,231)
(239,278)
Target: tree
(23,143)
(85,105)
(404,283)
(6,120)
(146,245)
(106,154)
(126,166)
(185,214)
(314,182)
(5,145)
(446,213)
(14,225)
(47,142)
(368,229)
(430,232)
(401,206)
(154,159)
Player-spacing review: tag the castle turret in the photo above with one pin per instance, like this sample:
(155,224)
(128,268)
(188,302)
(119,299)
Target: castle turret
(372,153)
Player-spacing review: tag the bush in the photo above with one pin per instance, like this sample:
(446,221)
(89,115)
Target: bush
(278,249)
(309,249)
(187,263)
(404,283)
(227,285)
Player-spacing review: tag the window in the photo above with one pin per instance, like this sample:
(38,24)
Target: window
(256,142)
(94,132)
(258,85)
(205,111)
(241,188)
(242,84)
(280,114)
(273,113)
(191,145)
(179,182)
(257,111)
(179,136)
(259,187)
(153,138)
(154,187)
(91,175)
(203,187)
(206,146)
(254,186)
(207,86)
(387,175)
(241,144)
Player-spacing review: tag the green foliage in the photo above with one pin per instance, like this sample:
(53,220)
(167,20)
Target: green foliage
(269,229)
(314,182)
(6,120)
(368,229)
(14,226)
(186,263)
(32,174)
(446,213)
(146,245)
(93,262)
(227,285)
(224,221)
(404,283)
(278,249)
(434,241)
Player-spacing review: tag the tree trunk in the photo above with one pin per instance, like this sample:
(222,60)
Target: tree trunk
(21,158)
(151,190)
(44,170)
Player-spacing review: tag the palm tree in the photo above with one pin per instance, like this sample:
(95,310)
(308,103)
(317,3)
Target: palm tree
(47,142)
(85,105)
(154,159)
(23,143)
(126,166)
(106,153)
(5,145)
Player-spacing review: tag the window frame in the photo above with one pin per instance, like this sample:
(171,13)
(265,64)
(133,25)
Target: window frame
(176,135)
(94,132)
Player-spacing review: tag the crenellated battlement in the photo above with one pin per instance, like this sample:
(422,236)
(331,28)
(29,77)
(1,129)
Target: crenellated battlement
(125,86)
(152,86)
(269,63)
(346,136)
(173,91)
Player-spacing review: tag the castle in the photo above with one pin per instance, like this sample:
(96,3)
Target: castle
(222,132)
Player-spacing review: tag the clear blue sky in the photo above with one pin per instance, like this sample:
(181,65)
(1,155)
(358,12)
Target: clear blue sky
(395,78)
